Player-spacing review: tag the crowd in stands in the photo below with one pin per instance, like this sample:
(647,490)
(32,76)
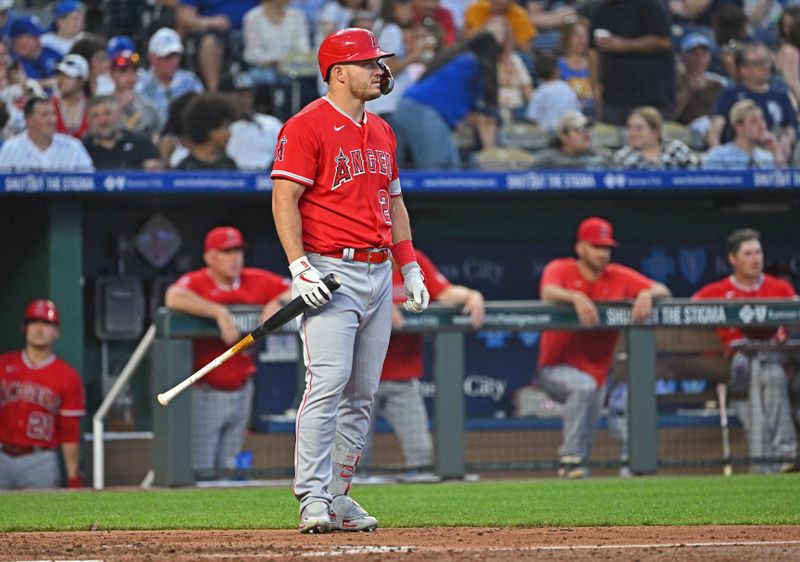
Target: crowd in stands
(188,84)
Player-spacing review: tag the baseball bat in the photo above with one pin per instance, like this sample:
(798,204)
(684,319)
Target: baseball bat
(722,396)
(294,308)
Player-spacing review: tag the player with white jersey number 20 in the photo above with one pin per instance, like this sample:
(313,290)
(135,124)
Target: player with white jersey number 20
(339,209)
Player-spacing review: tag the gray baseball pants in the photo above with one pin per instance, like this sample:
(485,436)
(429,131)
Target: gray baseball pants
(344,345)
(219,422)
(768,417)
(401,403)
(36,470)
(583,402)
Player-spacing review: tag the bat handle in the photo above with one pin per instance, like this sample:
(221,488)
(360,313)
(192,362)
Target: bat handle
(332,282)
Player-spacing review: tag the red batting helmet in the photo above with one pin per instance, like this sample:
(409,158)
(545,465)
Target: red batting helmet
(43,310)
(349,45)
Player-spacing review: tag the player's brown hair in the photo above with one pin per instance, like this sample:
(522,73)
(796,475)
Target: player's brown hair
(739,237)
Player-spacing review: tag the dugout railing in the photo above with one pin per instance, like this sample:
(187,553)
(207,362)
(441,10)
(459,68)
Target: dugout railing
(172,352)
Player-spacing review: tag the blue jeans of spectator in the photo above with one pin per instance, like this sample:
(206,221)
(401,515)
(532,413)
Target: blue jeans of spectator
(423,132)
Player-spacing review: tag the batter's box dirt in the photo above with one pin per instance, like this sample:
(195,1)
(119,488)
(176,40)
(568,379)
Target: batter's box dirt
(443,544)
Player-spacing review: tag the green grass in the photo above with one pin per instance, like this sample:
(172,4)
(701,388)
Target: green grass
(743,500)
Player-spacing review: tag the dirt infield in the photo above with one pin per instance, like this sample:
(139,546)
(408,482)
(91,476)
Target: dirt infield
(709,543)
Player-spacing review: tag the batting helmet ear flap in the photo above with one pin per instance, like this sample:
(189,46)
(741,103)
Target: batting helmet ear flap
(387,80)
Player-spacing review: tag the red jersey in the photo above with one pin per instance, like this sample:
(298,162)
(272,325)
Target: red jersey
(591,351)
(728,288)
(40,403)
(255,286)
(61,123)
(349,172)
(404,357)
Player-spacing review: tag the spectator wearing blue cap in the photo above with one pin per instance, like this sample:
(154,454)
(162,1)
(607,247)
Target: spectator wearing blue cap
(119,43)
(134,113)
(38,62)
(698,88)
(70,18)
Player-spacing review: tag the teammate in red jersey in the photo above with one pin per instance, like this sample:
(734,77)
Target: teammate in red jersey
(41,403)
(399,397)
(768,421)
(573,364)
(338,208)
(222,400)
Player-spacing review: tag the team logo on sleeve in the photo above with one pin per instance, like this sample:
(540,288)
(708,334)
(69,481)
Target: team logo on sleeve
(279,149)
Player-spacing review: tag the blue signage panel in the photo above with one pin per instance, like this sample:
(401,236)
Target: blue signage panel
(412,181)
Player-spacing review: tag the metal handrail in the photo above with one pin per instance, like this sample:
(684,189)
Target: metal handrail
(98,457)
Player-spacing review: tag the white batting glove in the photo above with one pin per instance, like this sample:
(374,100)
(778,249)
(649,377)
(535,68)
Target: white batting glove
(417,296)
(308,281)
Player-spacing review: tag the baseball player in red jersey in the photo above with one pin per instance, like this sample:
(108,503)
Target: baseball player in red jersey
(399,399)
(573,364)
(41,403)
(768,423)
(222,400)
(338,208)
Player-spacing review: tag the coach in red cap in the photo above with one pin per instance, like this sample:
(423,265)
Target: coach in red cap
(573,364)
(41,403)
(222,401)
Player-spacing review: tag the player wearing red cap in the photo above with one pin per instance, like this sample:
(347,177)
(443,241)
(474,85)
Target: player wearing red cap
(573,364)
(41,402)
(768,423)
(338,209)
(222,401)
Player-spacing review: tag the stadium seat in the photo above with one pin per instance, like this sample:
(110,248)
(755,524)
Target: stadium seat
(677,131)
(607,136)
(500,159)
(523,135)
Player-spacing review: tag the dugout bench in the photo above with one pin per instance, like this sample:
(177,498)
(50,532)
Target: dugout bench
(685,356)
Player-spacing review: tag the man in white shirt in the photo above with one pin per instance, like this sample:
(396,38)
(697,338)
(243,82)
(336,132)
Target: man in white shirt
(40,148)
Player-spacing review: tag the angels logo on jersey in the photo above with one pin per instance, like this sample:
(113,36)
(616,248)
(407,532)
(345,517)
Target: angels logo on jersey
(352,165)
(279,149)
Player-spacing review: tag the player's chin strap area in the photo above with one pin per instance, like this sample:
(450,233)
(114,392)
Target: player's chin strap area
(387,80)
